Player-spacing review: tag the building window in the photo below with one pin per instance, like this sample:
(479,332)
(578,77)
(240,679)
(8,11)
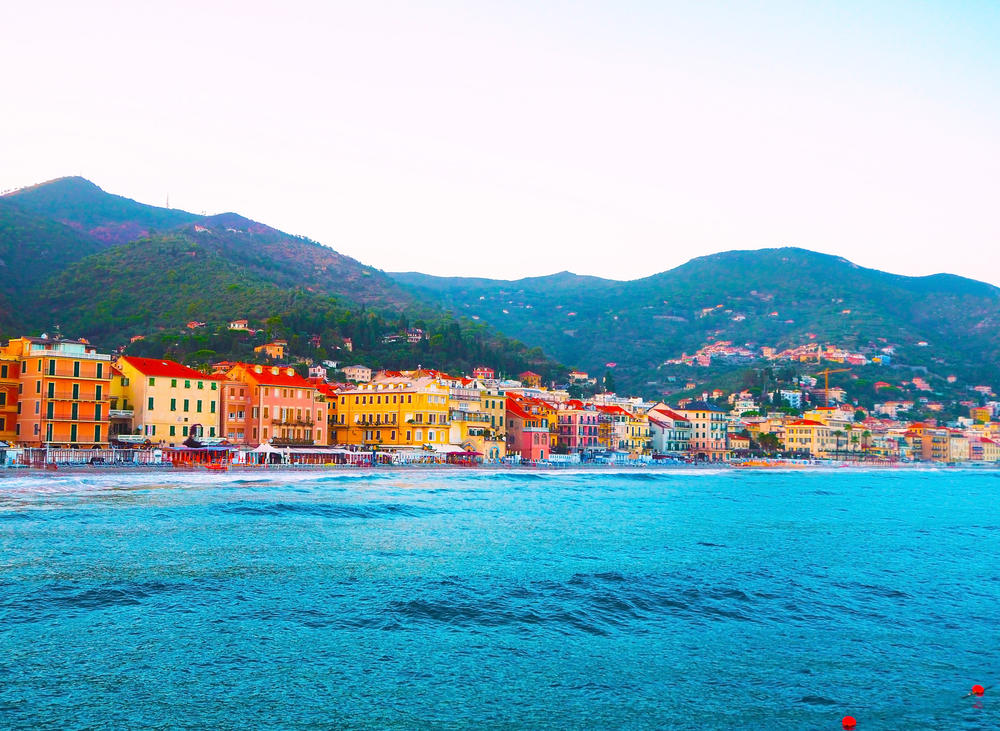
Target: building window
(173,404)
(187,405)
(3,371)
(152,381)
(198,406)
(52,367)
(173,431)
(201,384)
(98,392)
(215,386)
(211,405)
(184,431)
(97,432)
(149,403)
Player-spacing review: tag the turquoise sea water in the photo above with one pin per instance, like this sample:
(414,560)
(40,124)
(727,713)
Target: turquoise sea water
(449,599)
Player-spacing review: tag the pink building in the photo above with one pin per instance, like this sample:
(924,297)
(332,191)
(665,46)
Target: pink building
(527,433)
(578,426)
(236,409)
(284,408)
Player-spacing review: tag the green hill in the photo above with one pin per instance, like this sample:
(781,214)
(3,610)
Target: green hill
(80,204)
(773,297)
(283,258)
(154,286)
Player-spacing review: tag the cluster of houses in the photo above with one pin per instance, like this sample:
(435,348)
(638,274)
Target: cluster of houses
(726,351)
(63,393)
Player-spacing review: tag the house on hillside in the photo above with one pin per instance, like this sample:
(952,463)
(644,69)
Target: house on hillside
(239,325)
(530,378)
(358,373)
(275,350)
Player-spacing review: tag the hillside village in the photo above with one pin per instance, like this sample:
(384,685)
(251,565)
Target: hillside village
(59,393)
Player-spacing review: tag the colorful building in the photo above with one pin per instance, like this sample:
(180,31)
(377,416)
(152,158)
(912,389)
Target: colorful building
(670,433)
(810,436)
(708,430)
(10,369)
(64,392)
(394,411)
(274,350)
(284,408)
(168,399)
(530,378)
(527,429)
(579,427)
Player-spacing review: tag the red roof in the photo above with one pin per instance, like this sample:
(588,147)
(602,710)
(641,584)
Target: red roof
(267,378)
(517,410)
(807,422)
(669,414)
(613,410)
(157,367)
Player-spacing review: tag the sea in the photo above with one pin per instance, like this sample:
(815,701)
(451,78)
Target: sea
(500,599)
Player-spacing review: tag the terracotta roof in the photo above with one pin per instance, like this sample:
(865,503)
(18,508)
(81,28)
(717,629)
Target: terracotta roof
(807,422)
(157,367)
(268,378)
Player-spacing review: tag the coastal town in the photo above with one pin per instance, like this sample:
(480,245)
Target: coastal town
(63,400)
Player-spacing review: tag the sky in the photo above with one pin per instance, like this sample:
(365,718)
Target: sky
(510,139)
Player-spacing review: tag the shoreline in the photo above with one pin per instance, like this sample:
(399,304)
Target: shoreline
(168,468)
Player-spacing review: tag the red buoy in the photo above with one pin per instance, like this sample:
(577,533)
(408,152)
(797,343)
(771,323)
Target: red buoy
(977,689)
(849,722)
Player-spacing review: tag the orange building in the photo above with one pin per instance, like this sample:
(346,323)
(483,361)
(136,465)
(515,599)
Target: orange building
(236,410)
(10,368)
(65,388)
(530,378)
(284,408)
(274,350)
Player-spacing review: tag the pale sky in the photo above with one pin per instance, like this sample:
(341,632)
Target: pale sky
(509,139)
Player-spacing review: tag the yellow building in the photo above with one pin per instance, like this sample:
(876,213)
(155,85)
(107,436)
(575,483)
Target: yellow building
(477,414)
(395,411)
(274,350)
(168,399)
(637,435)
(808,435)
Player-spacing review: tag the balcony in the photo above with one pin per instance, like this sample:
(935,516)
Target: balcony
(70,396)
(120,413)
(470,416)
(79,419)
(293,422)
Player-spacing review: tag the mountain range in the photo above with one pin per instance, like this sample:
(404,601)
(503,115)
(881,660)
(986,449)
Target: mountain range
(772,297)
(110,268)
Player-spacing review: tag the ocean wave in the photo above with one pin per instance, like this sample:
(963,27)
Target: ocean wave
(325,510)
(596,603)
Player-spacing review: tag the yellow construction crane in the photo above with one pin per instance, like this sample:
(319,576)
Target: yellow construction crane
(826,381)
